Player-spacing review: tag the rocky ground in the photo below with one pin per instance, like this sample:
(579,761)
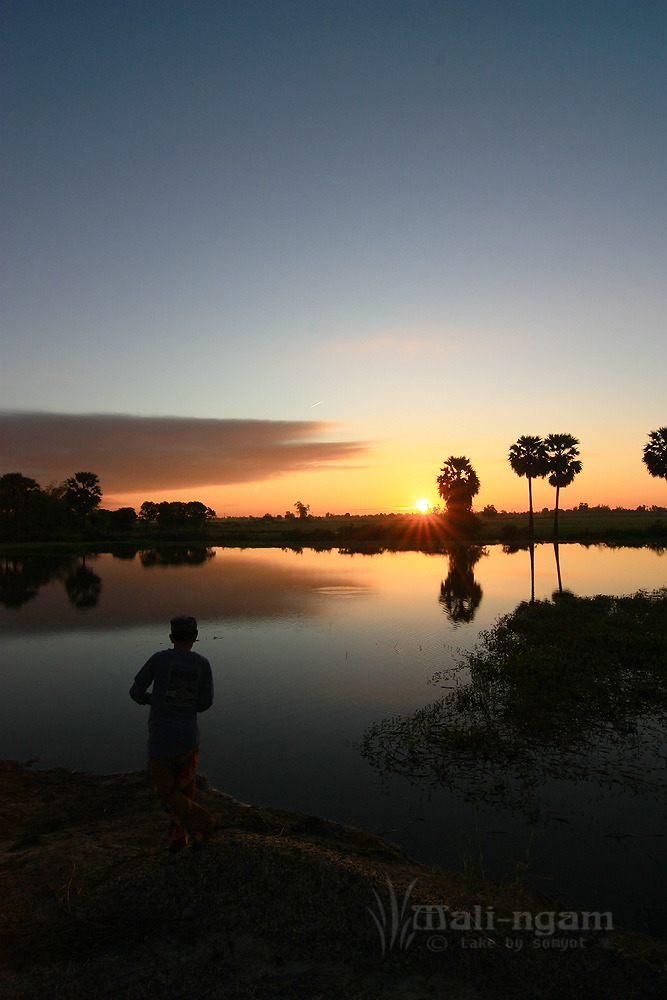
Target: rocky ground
(275,907)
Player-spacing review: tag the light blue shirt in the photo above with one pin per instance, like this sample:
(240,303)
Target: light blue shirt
(182,686)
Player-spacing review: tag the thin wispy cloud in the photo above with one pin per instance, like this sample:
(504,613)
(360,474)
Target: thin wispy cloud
(398,345)
(163,453)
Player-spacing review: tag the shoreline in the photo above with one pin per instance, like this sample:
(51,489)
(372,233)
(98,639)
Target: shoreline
(276,904)
(370,533)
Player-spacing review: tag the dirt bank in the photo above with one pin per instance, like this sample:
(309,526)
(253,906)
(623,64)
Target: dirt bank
(275,907)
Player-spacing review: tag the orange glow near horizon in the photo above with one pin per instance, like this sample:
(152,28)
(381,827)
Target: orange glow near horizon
(388,489)
(396,475)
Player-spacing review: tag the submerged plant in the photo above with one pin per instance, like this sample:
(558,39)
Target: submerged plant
(573,689)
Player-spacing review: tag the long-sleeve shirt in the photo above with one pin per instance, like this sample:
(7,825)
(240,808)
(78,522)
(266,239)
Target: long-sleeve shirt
(182,686)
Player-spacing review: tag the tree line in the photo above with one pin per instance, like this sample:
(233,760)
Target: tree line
(555,456)
(29,511)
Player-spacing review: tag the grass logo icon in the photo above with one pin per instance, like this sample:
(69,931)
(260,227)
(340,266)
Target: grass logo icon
(393,925)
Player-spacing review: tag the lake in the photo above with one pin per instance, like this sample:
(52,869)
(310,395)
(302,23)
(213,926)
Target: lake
(309,649)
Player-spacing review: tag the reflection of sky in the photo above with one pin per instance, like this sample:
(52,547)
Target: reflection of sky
(308,651)
(435,225)
(235,586)
(226,587)
(306,646)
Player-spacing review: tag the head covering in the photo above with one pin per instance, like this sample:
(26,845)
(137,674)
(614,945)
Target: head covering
(183,627)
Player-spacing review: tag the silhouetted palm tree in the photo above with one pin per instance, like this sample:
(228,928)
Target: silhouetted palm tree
(457,484)
(83,493)
(528,457)
(564,465)
(655,453)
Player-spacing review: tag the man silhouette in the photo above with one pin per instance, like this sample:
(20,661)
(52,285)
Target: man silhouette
(182,687)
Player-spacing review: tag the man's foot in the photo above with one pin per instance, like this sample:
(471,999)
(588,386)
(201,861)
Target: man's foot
(199,839)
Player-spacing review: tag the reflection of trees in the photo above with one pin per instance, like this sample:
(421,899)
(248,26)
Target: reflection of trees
(569,689)
(460,594)
(176,556)
(21,577)
(511,549)
(557,557)
(83,587)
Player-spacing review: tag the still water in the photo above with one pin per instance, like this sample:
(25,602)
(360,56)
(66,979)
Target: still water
(308,650)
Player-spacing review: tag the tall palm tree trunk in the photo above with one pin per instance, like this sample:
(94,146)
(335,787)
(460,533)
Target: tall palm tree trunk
(556,512)
(530,505)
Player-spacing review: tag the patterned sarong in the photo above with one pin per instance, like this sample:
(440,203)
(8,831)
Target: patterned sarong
(174,781)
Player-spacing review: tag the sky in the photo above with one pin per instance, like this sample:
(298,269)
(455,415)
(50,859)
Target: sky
(267,251)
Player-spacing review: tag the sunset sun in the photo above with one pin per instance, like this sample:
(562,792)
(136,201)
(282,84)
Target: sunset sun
(422,505)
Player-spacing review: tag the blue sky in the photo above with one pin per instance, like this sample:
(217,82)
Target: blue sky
(426,227)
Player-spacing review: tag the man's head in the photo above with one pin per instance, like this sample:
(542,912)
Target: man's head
(183,629)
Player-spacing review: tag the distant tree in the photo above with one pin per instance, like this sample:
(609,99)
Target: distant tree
(655,453)
(302,508)
(564,465)
(148,511)
(528,458)
(490,511)
(176,514)
(172,514)
(458,484)
(122,519)
(82,493)
(17,497)
(197,513)
(14,488)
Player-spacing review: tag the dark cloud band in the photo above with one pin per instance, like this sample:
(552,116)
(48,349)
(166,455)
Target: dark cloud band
(159,453)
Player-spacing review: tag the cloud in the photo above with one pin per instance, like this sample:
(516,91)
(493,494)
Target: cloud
(398,344)
(131,453)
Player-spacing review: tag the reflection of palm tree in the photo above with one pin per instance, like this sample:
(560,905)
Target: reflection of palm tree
(532,572)
(528,458)
(564,465)
(460,594)
(83,587)
(560,582)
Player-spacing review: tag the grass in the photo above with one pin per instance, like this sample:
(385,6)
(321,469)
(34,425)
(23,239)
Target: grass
(370,533)
(569,689)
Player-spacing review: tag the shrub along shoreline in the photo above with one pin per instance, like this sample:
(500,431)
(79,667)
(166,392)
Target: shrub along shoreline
(374,532)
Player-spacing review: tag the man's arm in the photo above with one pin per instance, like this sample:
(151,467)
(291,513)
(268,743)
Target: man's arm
(205,699)
(139,690)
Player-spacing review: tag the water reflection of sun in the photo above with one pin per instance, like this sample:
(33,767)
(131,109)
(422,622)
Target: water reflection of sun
(422,505)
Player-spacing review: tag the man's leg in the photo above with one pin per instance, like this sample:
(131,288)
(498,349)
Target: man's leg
(174,781)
